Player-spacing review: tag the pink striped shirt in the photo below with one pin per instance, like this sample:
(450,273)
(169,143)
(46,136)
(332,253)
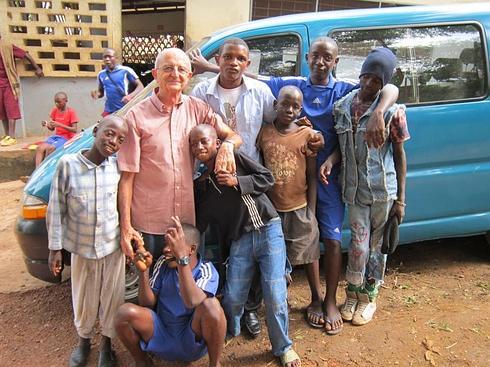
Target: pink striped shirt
(157,150)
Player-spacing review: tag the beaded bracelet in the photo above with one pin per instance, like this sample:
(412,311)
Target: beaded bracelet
(400,203)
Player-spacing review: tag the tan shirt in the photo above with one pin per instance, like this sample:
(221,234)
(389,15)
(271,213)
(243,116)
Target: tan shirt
(285,156)
(157,149)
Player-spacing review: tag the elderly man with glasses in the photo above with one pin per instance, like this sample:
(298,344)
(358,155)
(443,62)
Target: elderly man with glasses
(156,164)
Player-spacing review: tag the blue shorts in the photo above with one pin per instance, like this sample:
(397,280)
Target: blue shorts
(330,210)
(174,343)
(56,141)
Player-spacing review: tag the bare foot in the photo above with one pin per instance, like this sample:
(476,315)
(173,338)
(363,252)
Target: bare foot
(295,363)
(290,359)
(334,323)
(314,314)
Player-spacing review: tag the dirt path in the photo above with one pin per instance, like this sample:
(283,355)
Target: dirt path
(13,273)
(434,310)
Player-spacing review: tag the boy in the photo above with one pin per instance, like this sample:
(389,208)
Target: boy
(244,104)
(178,317)
(63,120)
(247,220)
(286,155)
(372,180)
(82,218)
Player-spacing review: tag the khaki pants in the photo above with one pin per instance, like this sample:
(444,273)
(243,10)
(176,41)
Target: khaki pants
(97,287)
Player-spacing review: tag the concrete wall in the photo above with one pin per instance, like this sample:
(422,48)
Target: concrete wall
(38,100)
(204,17)
(153,23)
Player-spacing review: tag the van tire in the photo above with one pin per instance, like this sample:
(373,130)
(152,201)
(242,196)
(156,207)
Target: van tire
(131,284)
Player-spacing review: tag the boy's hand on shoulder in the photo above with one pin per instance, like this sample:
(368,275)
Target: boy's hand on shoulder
(316,142)
(55,261)
(303,121)
(375,130)
(227,179)
(176,239)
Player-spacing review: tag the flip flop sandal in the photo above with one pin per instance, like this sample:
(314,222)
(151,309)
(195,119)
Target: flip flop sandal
(289,357)
(318,315)
(333,331)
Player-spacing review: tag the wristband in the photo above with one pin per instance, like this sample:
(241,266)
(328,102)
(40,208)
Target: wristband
(401,203)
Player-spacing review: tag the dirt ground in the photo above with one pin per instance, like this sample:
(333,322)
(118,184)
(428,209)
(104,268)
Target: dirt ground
(434,310)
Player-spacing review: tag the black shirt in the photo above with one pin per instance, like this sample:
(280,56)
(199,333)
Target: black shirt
(235,210)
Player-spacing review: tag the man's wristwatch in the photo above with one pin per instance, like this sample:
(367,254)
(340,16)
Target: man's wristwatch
(184,260)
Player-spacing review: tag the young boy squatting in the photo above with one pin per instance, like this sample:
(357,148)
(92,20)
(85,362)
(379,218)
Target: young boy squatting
(178,317)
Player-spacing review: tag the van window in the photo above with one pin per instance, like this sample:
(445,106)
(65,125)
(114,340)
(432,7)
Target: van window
(435,63)
(277,55)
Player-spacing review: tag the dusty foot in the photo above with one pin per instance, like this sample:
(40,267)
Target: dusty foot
(314,314)
(334,323)
(295,363)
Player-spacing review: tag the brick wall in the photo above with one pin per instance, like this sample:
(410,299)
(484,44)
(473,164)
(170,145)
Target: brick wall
(270,8)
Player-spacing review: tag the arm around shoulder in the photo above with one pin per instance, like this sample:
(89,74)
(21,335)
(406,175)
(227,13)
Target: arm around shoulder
(375,129)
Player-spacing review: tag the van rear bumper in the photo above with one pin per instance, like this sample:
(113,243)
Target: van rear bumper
(32,237)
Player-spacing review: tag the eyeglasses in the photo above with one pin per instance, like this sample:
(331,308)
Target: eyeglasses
(169,69)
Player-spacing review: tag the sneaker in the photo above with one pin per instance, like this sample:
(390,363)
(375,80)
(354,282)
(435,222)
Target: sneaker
(8,141)
(365,309)
(4,138)
(349,307)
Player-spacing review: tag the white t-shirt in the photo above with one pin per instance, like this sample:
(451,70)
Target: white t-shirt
(229,98)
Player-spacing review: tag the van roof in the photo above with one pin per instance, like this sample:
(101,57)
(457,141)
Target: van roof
(461,10)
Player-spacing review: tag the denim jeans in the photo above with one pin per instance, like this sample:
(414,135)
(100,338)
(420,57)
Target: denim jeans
(266,248)
(367,228)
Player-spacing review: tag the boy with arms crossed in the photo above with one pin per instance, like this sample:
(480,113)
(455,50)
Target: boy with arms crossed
(82,218)
(248,221)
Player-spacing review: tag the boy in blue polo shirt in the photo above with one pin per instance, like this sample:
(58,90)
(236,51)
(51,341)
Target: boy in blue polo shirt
(178,318)
(114,82)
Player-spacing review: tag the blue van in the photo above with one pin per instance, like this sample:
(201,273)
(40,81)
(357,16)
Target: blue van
(443,78)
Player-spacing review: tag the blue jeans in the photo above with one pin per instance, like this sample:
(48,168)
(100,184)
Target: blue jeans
(266,248)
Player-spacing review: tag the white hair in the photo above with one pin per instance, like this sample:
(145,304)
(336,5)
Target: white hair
(176,52)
